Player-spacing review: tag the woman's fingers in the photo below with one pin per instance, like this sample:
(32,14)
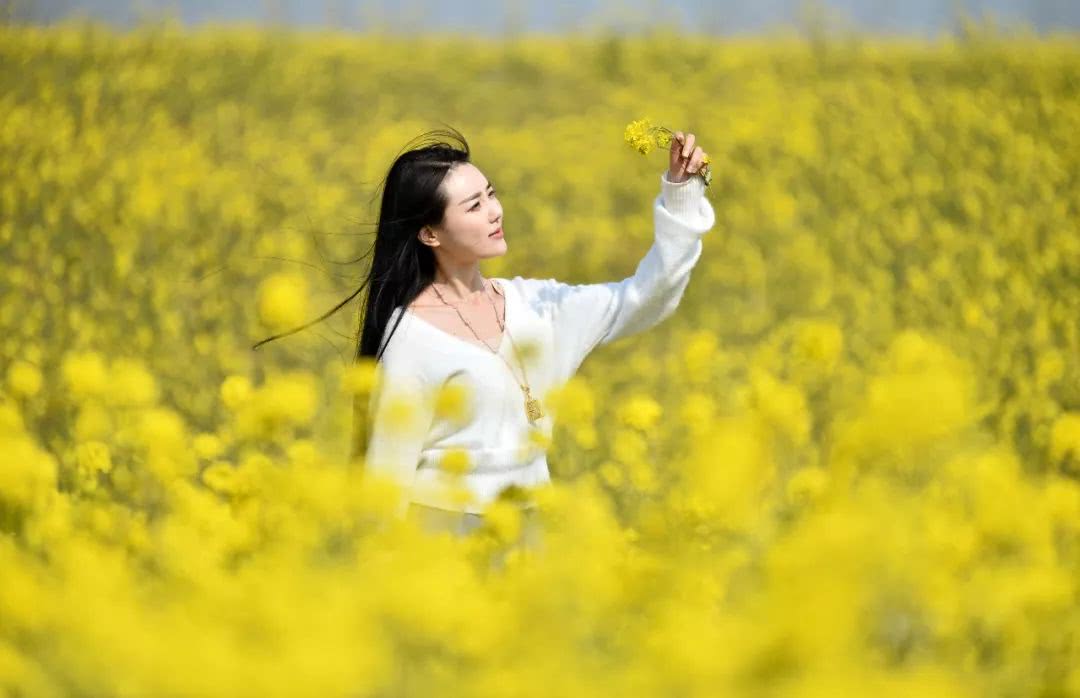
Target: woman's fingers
(686,157)
(688,146)
(676,148)
(696,158)
(680,146)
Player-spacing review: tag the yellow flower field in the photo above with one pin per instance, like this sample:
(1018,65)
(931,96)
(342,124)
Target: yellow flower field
(848,465)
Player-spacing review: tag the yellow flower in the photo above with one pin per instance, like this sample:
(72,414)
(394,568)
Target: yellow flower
(697,411)
(819,342)
(301,451)
(93,457)
(642,476)
(629,446)
(220,477)
(538,438)
(700,352)
(453,402)
(161,429)
(643,136)
(611,473)
(290,398)
(85,374)
(11,422)
(28,475)
(1065,437)
(456,461)
(235,391)
(93,422)
(207,446)
(283,301)
(781,404)
(359,377)
(24,378)
(638,134)
(503,518)
(640,411)
(572,402)
(806,484)
(131,384)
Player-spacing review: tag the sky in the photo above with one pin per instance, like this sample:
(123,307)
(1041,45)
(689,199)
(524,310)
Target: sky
(494,17)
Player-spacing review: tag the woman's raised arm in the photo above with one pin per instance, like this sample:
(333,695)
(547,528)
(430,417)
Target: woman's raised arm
(589,315)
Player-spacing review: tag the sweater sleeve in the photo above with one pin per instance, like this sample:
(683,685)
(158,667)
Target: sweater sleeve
(402,410)
(589,315)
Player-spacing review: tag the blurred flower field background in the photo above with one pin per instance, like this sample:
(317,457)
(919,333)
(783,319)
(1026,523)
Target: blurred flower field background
(847,465)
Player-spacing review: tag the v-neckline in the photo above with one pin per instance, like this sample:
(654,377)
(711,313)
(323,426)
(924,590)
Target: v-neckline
(485,349)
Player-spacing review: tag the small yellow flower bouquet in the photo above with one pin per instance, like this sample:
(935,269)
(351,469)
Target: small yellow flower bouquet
(642,135)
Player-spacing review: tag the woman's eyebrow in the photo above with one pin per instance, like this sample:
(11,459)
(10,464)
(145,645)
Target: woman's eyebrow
(476,195)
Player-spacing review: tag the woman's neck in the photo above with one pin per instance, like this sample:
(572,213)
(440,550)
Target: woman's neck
(460,285)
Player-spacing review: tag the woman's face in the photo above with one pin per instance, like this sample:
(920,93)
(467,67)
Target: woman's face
(473,213)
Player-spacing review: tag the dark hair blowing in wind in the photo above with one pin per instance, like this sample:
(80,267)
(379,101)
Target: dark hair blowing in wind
(402,266)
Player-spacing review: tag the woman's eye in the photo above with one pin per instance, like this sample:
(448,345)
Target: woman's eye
(477,204)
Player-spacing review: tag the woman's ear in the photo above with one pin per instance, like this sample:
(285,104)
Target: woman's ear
(428,237)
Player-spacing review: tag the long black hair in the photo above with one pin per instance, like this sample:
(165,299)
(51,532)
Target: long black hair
(402,266)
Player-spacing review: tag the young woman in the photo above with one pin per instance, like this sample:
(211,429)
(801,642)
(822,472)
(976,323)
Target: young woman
(433,320)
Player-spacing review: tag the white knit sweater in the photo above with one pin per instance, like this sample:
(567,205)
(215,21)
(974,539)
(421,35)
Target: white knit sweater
(561,323)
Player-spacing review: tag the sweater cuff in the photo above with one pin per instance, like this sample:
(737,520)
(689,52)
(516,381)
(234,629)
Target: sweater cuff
(682,198)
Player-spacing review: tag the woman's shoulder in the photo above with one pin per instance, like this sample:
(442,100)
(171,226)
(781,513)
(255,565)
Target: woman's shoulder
(412,350)
(395,340)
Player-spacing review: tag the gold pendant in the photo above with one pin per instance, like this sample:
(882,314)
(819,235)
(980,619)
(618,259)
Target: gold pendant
(532,407)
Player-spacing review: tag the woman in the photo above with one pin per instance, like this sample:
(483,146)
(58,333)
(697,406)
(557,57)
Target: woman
(433,320)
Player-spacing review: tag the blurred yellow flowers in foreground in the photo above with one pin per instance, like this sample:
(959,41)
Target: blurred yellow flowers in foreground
(847,465)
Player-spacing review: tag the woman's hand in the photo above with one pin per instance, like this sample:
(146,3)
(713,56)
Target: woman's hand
(685,158)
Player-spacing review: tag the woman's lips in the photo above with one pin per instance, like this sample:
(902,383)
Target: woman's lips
(497,234)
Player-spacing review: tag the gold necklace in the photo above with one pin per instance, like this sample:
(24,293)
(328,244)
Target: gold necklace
(532,405)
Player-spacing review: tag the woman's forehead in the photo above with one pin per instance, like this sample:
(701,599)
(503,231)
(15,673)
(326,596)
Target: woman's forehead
(465,179)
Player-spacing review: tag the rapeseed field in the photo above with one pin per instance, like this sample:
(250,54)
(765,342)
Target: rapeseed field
(848,465)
